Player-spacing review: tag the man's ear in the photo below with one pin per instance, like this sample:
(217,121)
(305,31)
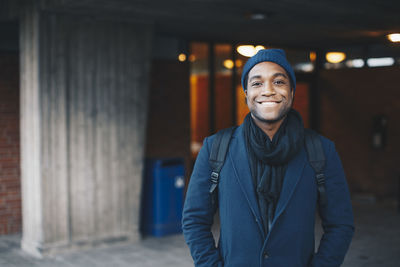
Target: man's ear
(245,92)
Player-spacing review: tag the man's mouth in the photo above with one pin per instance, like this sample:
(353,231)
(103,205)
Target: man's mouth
(268,103)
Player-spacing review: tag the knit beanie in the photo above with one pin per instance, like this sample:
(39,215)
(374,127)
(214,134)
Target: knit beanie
(277,56)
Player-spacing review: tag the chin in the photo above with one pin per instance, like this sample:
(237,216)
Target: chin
(266,118)
(270,118)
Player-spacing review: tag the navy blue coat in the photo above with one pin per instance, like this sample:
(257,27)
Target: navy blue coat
(290,242)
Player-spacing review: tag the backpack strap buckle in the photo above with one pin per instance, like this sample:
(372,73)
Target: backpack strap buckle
(214,177)
(214,180)
(320,178)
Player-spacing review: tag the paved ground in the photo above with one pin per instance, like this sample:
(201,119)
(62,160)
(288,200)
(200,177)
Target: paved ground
(376,243)
(170,251)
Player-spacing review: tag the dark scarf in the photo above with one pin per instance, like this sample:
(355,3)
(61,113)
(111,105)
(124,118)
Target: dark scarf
(268,159)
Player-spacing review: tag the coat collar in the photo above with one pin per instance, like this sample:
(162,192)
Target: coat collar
(241,167)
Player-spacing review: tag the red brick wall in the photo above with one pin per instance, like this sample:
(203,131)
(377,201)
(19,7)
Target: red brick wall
(10,186)
(351,99)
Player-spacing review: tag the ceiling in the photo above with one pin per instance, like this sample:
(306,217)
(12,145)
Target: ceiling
(297,23)
(289,23)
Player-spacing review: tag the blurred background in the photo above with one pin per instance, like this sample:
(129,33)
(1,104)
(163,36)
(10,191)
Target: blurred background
(96,95)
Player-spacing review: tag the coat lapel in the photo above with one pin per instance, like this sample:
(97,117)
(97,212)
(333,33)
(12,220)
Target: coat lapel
(292,177)
(241,167)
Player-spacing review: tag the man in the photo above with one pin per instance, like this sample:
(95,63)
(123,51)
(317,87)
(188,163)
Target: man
(267,192)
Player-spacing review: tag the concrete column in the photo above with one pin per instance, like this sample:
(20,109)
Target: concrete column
(84,90)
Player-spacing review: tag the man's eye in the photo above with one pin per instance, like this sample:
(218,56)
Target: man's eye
(255,84)
(280,82)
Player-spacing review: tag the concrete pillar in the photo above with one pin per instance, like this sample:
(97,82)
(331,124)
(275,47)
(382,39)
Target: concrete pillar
(84,90)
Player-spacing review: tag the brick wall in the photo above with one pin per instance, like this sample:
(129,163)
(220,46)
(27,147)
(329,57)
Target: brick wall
(351,99)
(10,187)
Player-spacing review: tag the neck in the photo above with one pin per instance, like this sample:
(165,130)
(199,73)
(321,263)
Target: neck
(269,128)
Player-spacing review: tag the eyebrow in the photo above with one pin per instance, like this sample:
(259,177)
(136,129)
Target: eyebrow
(273,76)
(280,74)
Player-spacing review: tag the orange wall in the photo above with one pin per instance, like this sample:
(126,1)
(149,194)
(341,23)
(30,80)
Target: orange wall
(199,109)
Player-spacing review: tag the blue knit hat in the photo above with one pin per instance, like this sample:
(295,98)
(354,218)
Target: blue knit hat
(277,56)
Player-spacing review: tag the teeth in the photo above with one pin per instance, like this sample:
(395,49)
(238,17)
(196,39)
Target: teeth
(268,103)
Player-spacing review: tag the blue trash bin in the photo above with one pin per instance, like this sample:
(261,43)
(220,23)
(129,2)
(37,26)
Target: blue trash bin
(162,197)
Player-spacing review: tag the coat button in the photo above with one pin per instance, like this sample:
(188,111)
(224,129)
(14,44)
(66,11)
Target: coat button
(265,255)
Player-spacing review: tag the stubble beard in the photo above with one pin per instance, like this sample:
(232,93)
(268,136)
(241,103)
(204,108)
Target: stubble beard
(281,115)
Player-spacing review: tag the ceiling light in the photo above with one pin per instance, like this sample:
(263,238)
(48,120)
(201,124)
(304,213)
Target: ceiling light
(304,67)
(394,37)
(380,62)
(228,63)
(249,50)
(355,63)
(192,58)
(335,57)
(313,56)
(238,63)
(258,16)
(246,50)
(182,57)
(259,47)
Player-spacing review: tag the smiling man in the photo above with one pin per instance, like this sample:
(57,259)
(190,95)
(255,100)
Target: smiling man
(269,95)
(268,193)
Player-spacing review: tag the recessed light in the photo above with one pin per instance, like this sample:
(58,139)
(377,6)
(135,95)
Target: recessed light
(249,50)
(181,57)
(380,62)
(335,57)
(394,37)
(258,16)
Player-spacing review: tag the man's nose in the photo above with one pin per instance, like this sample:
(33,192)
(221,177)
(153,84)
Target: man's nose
(268,89)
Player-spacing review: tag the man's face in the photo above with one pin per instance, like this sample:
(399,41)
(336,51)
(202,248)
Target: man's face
(269,94)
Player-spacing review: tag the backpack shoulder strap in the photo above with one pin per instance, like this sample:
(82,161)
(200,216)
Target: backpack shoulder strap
(316,157)
(218,153)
